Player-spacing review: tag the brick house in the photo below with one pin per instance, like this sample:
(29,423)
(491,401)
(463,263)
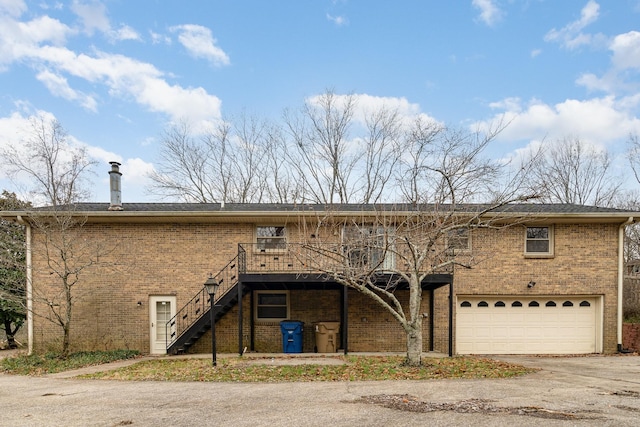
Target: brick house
(550,283)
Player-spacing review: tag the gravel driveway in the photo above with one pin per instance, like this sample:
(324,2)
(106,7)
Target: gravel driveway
(593,390)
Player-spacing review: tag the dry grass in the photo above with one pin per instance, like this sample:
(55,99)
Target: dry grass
(354,368)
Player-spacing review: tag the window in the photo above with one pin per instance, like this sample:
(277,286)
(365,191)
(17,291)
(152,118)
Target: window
(369,246)
(539,241)
(271,238)
(458,239)
(272,305)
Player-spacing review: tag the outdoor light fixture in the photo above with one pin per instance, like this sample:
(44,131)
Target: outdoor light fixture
(531,284)
(211,287)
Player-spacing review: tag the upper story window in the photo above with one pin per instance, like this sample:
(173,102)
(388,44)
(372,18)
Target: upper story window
(271,238)
(539,241)
(369,246)
(458,239)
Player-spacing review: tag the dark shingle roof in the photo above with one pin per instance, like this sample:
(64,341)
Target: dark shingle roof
(529,208)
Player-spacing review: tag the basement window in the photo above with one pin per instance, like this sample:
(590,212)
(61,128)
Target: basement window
(272,305)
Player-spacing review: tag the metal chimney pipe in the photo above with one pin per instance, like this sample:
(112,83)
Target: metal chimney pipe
(114,186)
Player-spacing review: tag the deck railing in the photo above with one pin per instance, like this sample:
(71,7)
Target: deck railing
(193,310)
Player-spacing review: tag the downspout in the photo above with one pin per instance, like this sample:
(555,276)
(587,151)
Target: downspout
(29,277)
(621,280)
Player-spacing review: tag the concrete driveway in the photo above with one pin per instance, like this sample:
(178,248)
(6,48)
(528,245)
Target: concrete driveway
(594,390)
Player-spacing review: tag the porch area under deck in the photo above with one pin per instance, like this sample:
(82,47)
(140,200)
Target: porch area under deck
(251,281)
(287,269)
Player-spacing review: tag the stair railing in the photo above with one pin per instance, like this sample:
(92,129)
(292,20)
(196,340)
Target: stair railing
(200,304)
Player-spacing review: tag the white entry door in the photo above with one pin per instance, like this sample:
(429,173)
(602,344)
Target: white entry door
(161,309)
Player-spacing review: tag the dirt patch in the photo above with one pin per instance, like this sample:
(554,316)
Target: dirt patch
(403,402)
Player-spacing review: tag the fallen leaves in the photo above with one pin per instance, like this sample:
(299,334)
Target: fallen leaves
(352,368)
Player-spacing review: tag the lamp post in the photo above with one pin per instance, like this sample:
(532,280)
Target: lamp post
(212,287)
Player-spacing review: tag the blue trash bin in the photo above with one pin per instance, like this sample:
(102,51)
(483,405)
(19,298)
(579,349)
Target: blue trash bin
(291,336)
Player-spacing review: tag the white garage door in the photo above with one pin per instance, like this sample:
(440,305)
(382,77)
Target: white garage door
(530,325)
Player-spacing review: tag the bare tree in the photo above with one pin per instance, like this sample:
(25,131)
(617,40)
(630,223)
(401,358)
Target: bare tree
(410,177)
(57,170)
(319,149)
(284,183)
(404,244)
(230,162)
(192,169)
(446,165)
(382,152)
(574,172)
(249,162)
(12,270)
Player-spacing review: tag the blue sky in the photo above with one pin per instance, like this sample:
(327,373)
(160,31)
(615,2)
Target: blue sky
(116,73)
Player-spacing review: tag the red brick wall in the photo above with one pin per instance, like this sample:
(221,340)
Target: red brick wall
(631,336)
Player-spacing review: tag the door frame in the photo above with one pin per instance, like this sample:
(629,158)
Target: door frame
(153,299)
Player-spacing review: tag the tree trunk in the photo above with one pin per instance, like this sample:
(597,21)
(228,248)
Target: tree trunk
(414,343)
(65,342)
(10,334)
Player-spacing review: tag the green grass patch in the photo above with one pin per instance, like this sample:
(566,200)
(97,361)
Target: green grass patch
(50,363)
(355,368)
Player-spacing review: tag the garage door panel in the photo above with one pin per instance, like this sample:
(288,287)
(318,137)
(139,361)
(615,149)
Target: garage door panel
(558,325)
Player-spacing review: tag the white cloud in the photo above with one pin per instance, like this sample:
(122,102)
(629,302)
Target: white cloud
(93,16)
(16,128)
(602,120)
(490,13)
(626,50)
(39,43)
(135,175)
(508,104)
(12,130)
(42,30)
(625,61)
(200,43)
(571,35)
(536,52)
(157,38)
(13,8)
(55,6)
(365,104)
(338,20)
(59,86)
(125,32)
(177,101)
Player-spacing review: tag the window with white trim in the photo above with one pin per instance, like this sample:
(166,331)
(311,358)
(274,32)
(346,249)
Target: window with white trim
(539,240)
(271,238)
(272,305)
